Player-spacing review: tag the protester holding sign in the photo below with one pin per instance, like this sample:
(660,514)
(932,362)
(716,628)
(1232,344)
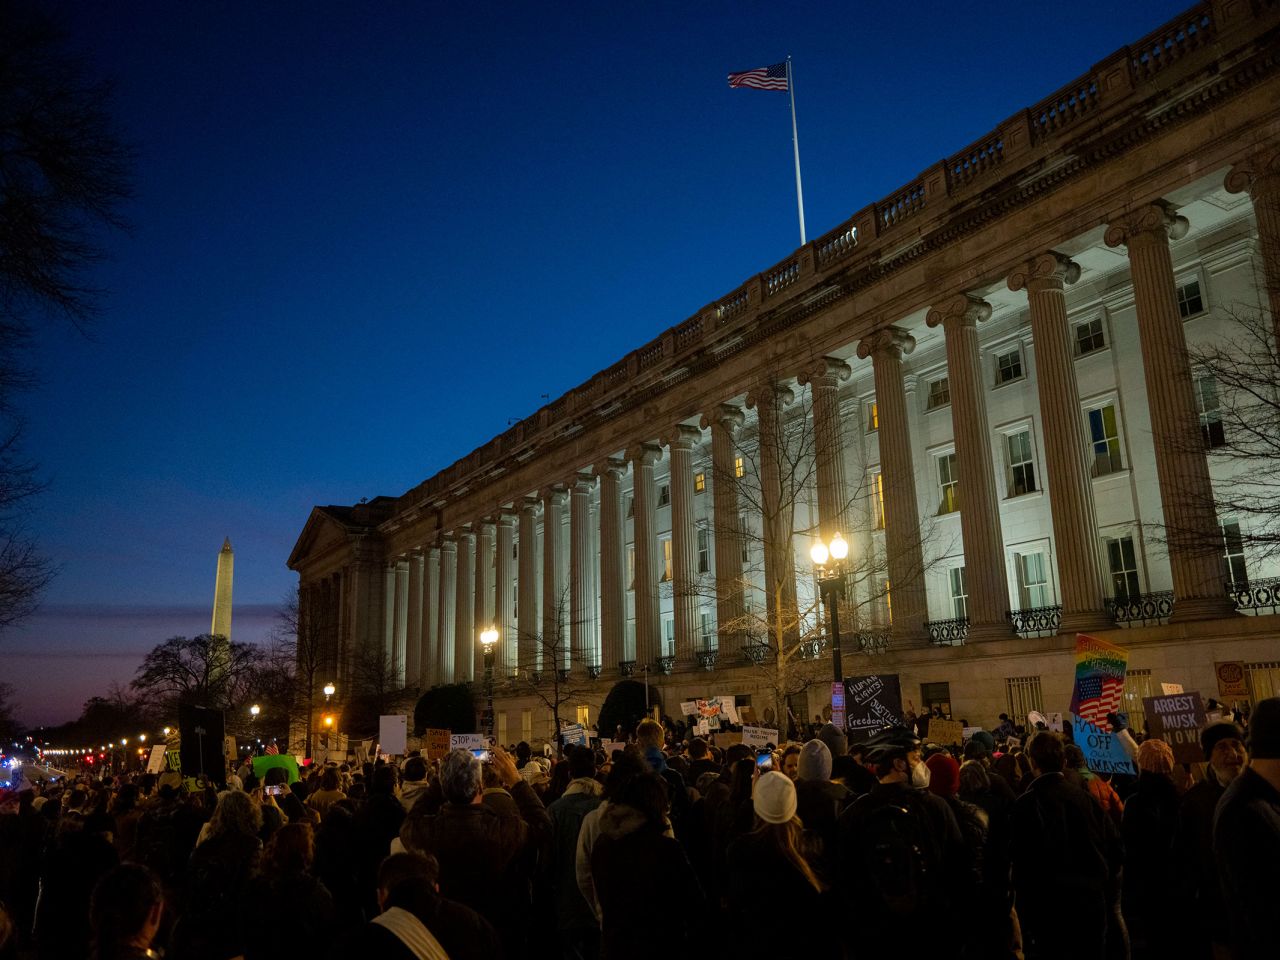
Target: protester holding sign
(1151,889)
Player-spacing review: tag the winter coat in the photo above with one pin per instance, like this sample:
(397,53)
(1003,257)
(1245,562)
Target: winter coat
(1246,843)
(758,875)
(818,805)
(1193,853)
(632,861)
(1150,898)
(580,798)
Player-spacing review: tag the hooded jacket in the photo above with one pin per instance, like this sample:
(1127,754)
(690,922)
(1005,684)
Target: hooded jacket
(573,912)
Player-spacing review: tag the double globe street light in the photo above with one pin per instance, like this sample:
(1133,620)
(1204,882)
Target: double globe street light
(829,559)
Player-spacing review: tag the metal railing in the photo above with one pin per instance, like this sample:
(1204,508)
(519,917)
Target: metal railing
(1141,608)
(1255,595)
(665,665)
(947,633)
(1036,621)
(868,641)
(755,652)
(627,668)
(707,659)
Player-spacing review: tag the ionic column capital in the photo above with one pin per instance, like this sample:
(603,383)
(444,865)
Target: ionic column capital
(582,483)
(892,342)
(644,454)
(613,467)
(962,310)
(555,495)
(1049,271)
(1159,219)
(1247,175)
(726,416)
(505,517)
(783,393)
(682,436)
(825,372)
(530,505)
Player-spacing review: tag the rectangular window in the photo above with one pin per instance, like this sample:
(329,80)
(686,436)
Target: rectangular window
(1210,412)
(738,469)
(1190,302)
(1022,468)
(948,484)
(1138,684)
(1233,565)
(664,495)
(630,502)
(1105,439)
(959,594)
(873,417)
(1089,337)
(699,482)
(936,695)
(1033,581)
(526,725)
(877,482)
(1263,679)
(515,602)
(704,550)
(742,538)
(669,636)
(705,633)
(1123,563)
(1023,695)
(939,393)
(584,714)
(502,726)
(666,560)
(515,549)
(631,566)
(888,604)
(1008,366)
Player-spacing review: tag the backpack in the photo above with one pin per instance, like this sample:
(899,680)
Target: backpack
(896,856)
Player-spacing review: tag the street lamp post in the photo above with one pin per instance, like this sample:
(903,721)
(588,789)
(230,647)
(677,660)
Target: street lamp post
(489,642)
(829,561)
(329,690)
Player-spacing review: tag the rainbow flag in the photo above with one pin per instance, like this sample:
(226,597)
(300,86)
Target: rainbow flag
(1099,686)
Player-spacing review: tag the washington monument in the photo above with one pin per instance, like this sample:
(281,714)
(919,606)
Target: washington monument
(222,593)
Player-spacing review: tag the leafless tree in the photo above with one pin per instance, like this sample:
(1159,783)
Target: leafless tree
(206,670)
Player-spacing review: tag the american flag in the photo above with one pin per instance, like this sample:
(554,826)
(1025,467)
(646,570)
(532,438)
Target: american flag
(762,78)
(271,750)
(1097,696)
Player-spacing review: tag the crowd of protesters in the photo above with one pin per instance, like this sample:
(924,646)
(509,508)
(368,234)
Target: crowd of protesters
(894,847)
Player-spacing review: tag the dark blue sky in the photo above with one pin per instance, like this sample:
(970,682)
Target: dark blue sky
(367,234)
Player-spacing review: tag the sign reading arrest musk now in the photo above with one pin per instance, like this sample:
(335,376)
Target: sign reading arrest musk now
(872,702)
(1177,720)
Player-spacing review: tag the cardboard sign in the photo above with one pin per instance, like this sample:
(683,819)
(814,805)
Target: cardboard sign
(747,714)
(574,735)
(1177,720)
(872,703)
(1169,689)
(727,739)
(759,737)
(435,743)
(1103,751)
(968,732)
(1232,681)
(466,741)
(155,762)
(946,732)
(393,734)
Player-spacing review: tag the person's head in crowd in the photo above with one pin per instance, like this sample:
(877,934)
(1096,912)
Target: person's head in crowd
(461,779)
(401,872)
(523,753)
(291,850)
(1155,758)
(581,763)
(835,740)
(627,766)
(974,780)
(736,752)
(384,781)
(125,912)
(1046,752)
(896,755)
(236,813)
(774,803)
(791,761)
(329,779)
(1224,750)
(1264,730)
(977,751)
(698,749)
(647,794)
(814,761)
(649,734)
(944,775)
(415,769)
(741,777)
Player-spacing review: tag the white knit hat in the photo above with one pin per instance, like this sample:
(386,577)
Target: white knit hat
(774,798)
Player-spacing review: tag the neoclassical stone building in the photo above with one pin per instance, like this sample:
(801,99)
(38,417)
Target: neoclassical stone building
(981,381)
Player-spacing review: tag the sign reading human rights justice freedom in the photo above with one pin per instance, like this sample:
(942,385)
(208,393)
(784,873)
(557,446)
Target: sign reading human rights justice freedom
(872,703)
(1099,690)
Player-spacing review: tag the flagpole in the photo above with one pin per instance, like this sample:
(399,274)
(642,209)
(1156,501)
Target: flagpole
(795,142)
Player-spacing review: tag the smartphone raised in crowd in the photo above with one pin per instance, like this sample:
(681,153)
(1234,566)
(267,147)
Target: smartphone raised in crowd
(481,754)
(765,760)
(277,790)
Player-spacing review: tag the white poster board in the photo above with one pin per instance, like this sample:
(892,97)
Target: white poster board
(155,762)
(466,741)
(393,734)
(759,737)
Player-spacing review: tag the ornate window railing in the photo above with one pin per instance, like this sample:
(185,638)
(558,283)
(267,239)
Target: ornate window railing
(755,652)
(948,633)
(665,665)
(1036,621)
(868,641)
(1255,595)
(627,668)
(707,659)
(1141,608)
(593,671)
(812,648)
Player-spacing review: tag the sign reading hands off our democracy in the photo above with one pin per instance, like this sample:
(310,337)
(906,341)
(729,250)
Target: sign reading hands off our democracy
(1099,690)
(872,702)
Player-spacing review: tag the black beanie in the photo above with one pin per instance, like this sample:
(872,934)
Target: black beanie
(1215,733)
(1264,730)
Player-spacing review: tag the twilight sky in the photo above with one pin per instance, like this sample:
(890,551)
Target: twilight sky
(367,234)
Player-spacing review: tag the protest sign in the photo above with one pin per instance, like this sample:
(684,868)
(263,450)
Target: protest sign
(689,708)
(282,760)
(759,737)
(727,739)
(872,702)
(611,746)
(946,731)
(466,741)
(1103,751)
(709,707)
(435,742)
(574,735)
(703,728)
(747,714)
(393,732)
(1177,720)
(968,732)
(837,704)
(1169,689)
(1012,742)
(1055,721)
(1099,685)
(1232,682)
(155,762)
